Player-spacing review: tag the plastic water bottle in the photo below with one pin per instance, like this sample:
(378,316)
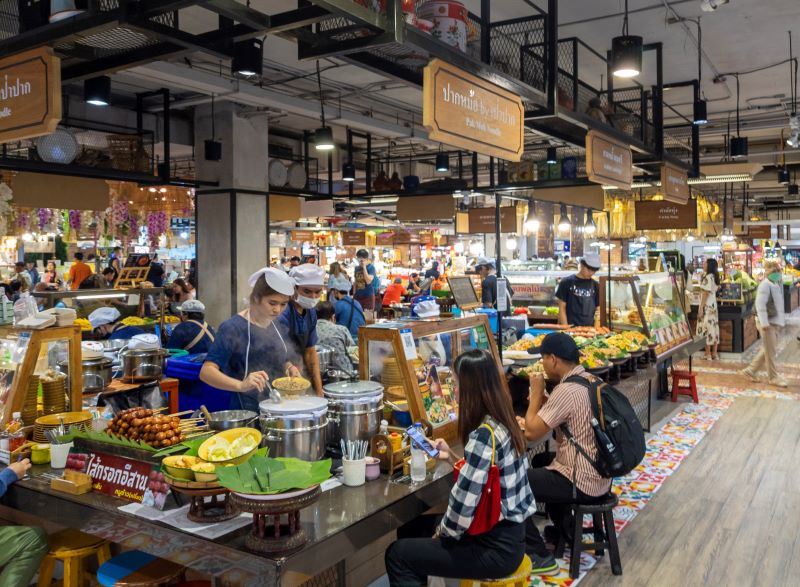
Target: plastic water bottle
(418,471)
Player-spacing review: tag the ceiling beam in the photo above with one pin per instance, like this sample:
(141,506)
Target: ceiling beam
(237,12)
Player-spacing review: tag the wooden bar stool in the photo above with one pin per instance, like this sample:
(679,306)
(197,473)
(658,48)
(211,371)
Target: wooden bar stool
(71,547)
(679,378)
(135,568)
(605,535)
(520,578)
(169,386)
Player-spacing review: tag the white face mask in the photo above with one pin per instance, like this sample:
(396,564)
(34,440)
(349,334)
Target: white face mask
(307,303)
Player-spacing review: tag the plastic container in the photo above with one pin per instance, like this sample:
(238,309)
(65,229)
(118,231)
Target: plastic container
(491,314)
(16,437)
(354,472)
(59,454)
(373,470)
(40,454)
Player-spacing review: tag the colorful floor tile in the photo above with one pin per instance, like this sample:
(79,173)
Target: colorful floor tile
(666,450)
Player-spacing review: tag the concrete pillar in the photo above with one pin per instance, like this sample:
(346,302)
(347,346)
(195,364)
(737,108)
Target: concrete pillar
(233,218)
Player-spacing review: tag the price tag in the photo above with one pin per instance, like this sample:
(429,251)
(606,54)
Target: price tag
(409,348)
(502,294)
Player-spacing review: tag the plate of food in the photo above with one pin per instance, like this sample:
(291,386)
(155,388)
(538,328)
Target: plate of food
(519,355)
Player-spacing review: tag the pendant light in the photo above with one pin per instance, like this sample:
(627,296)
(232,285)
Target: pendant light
(248,58)
(783,176)
(64,9)
(552,155)
(323,136)
(348,172)
(511,243)
(564,223)
(442,161)
(690,237)
(700,113)
(97,91)
(626,52)
(589,227)
(212,147)
(738,143)
(532,223)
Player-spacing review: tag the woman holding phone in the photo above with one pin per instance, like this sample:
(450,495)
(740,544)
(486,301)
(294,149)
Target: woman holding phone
(484,415)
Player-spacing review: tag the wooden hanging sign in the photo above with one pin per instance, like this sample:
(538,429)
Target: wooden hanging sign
(465,111)
(674,184)
(30,94)
(608,161)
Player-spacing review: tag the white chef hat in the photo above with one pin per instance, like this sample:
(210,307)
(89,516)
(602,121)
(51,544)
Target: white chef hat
(427,309)
(104,315)
(275,278)
(308,274)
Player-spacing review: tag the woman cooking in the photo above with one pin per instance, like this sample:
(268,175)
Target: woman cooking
(251,348)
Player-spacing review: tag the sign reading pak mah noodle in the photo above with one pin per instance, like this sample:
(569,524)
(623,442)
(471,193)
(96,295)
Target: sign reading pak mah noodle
(465,111)
(30,94)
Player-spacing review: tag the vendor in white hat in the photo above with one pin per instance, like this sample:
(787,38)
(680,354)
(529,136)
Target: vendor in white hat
(486,268)
(105,323)
(300,317)
(193,333)
(252,347)
(579,295)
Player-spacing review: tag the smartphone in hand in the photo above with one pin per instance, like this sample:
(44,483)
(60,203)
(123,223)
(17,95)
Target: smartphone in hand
(417,438)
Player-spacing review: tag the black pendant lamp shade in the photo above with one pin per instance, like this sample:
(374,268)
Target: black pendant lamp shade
(248,58)
(626,55)
(323,139)
(794,189)
(348,172)
(739,147)
(212,148)
(783,176)
(552,155)
(97,91)
(700,112)
(442,162)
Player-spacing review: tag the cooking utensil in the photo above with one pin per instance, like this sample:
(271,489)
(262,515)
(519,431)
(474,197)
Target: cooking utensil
(228,419)
(355,409)
(295,427)
(141,365)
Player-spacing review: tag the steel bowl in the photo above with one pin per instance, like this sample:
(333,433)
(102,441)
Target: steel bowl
(227,419)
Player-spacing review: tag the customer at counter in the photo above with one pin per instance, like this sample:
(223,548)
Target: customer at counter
(770,319)
(251,347)
(335,336)
(579,295)
(349,312)
(567,404)
(337,278)
(394,292)
(413,284)
(105,323)
(366,282)
(51,276)
(23,277)
(78,272)
(300,318)
(193,333)
(487,429)
(707,312)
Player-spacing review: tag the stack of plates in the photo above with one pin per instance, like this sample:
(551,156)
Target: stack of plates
(51,422)
(391,371)
(29,408)
(54,397)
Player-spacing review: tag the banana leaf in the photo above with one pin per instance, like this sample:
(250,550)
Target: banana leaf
(274,475)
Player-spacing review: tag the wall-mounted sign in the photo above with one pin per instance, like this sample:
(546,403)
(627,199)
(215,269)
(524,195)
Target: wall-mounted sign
(402,237)
(481,220)
(661,215)
(385,238)
(30,94)
(608,161)
(763,231)
(300,236)
(674,184)
(465,111)
(352,238)
(179,223)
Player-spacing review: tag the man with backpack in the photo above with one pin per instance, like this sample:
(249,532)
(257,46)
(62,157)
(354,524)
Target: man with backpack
(580,471)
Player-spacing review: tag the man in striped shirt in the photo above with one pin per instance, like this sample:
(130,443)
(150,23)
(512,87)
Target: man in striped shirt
(568,404)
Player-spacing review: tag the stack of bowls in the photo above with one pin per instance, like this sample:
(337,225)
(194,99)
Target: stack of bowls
(30,409)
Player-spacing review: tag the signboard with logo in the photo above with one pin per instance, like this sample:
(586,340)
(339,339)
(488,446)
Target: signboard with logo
(608,161)
(661,215)
(30,94)
(674,184)
(465,111)
(300,236)
(763,231)
(481,220)
(352,238)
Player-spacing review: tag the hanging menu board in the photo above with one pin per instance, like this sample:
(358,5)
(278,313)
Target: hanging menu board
(481,220)
(730,292)
(30,94)
(352,238)
(468,112)
(608,161)
(464,293)
(674,184)
(663,215)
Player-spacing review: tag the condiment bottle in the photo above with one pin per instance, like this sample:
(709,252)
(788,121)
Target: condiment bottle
(16,438)
(384,427)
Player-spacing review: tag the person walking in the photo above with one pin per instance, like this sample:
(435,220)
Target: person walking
(707,314)
(770,319)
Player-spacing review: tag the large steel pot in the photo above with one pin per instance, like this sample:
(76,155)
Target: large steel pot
(228,419)
(295,427)
(325,357)
(140,365)
(355,409)
(97,373)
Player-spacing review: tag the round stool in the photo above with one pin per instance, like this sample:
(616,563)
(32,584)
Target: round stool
(71,547)
(135,568)
(519,578)
(603,529)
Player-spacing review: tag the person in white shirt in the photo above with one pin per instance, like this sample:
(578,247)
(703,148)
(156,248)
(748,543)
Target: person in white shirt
(771,319)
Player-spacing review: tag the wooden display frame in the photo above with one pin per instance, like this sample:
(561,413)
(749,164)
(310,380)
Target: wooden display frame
(467,279)
(420,329)
(19,385)
(131,277)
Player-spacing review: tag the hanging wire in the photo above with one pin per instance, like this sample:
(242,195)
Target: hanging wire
(321,98)
(213,127)
(737,104)
(625,21)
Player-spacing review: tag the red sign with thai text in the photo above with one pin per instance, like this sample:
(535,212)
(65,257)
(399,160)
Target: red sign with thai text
(125,478)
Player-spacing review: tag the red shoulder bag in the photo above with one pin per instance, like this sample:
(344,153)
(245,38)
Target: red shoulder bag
(487,512)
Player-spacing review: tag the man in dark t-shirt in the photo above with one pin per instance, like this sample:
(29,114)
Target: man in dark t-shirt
(486,269)
(579,295)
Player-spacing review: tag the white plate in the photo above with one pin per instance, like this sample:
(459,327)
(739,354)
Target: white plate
(274,496)
(519,355)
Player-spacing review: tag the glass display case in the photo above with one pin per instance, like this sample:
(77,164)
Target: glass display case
(648,302)
(413,360)
(534,287)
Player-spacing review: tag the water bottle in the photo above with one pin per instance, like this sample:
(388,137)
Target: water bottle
(607,447)
(384,429)
(418,471)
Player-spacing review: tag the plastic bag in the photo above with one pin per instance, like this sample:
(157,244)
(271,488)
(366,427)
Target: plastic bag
(147,396)
(25,307)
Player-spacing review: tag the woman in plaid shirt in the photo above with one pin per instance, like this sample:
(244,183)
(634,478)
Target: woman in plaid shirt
(452,552)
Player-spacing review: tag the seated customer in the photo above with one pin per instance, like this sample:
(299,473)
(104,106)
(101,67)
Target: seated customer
(22,548)
(335,336)
(394,292)
(193,333)
(105,323)
(349,312)
(483,412)
(568,404)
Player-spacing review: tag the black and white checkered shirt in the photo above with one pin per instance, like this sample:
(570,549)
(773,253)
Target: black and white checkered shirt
(517,503)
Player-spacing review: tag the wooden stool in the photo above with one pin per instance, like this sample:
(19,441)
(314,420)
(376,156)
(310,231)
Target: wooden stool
(605,535)
(71,546)
(520,578)
(135,568)
(678,379)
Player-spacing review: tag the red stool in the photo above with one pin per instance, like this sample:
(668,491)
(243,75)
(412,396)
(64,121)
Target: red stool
(682,377)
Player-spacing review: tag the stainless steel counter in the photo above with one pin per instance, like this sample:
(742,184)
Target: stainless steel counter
(343,521)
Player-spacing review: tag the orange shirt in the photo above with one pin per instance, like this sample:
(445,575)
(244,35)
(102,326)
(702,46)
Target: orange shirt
(78,273)
(393,293)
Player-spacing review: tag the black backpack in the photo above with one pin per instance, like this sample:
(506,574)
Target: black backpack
(619,435)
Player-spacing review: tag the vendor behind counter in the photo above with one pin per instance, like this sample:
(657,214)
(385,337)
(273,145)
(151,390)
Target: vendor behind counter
(105,323)
(193,333)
